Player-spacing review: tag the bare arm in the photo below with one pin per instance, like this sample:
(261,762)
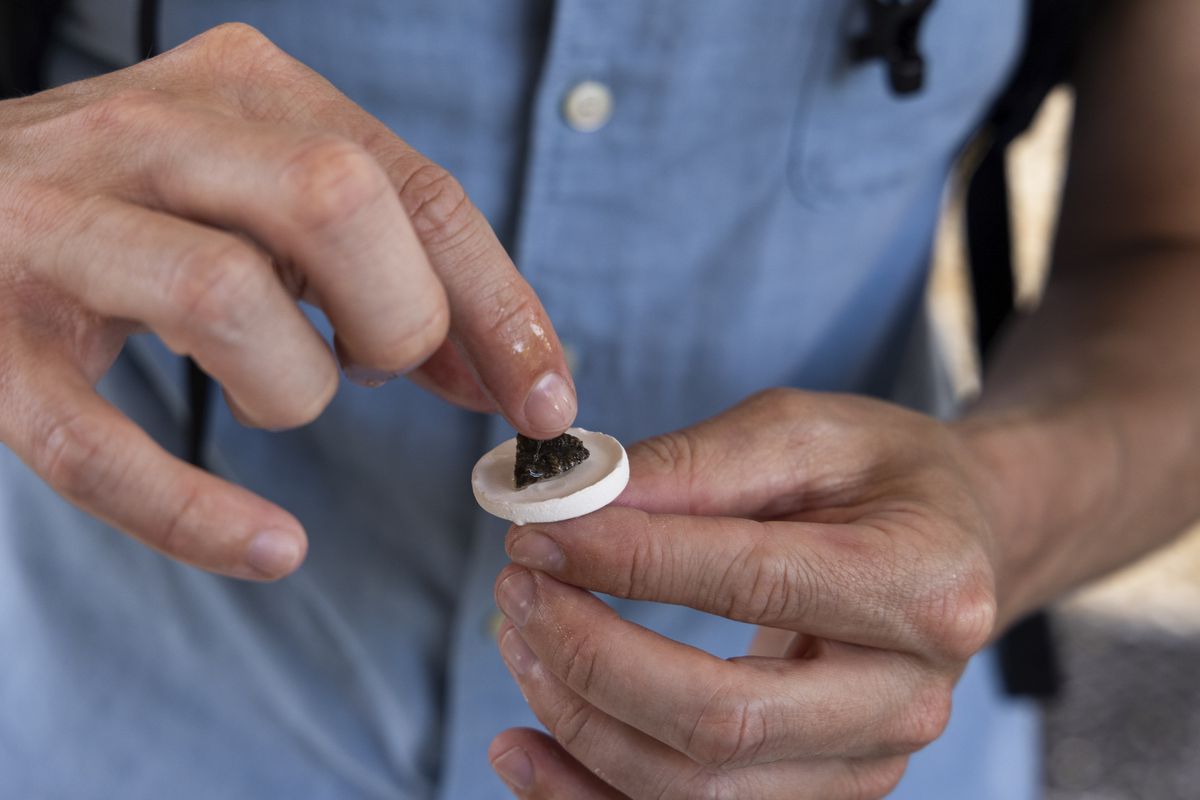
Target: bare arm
(1090,419)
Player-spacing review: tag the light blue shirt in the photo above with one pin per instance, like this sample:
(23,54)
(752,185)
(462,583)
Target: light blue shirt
(756,212)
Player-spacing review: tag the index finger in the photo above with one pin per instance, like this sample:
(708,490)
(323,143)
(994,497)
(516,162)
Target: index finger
(783,575)
(851,583)
(495,316)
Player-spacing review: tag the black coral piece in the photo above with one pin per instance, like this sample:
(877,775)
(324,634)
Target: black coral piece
(540,459)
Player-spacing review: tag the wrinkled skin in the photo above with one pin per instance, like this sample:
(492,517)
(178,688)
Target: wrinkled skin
(199,195)
(852,531)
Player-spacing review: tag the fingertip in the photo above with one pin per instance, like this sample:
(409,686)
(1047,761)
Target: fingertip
(551,772)
(511,762)
(501,743)
(508,571)
(550,406)
(526,738)
(534,549)
(275,553)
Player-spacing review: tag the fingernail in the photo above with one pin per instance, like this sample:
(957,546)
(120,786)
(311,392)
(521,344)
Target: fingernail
(539,551)
(515,767)
(370,378)
(550,404)
(274,553)
(515,597)
(516,653)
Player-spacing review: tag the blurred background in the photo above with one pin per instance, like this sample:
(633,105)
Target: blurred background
(1126,725)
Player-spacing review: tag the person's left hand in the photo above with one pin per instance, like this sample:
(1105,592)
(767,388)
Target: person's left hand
(852,530)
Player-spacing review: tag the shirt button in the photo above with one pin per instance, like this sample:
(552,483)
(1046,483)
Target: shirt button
(588,106)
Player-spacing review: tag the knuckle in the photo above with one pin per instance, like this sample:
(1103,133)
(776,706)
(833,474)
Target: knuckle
(39,209)
(769,594)
(777,397)
(308,409)
(579,657)
(571,722)
(924,720)
(959,617)
(72,456)
(242,56)
(676,455)
(513,314)
(232,41)
(645,568)
(330,180)
(121,112)
(296,410)
(886,777)
(730,732)
(704,784)
(669,452)
(437,204)
(874,780)
(413,342)
(217,288)
(173,537)
(239,33)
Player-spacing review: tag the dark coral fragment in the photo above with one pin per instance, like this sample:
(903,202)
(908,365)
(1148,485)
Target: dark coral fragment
(541,459)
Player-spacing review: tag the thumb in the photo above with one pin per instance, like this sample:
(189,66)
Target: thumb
(734,464)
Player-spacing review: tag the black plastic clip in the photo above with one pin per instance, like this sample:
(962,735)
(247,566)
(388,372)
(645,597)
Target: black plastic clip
(892,27)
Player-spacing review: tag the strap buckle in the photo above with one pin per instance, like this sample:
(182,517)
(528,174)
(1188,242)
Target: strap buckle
(892,28)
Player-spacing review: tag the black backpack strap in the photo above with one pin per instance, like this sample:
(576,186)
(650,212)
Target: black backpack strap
(1053,31)
(199,385)
(1028,659)
(25,31)
(25,27)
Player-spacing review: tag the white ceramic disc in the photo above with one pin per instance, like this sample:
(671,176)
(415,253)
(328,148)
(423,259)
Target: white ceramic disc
(589,486)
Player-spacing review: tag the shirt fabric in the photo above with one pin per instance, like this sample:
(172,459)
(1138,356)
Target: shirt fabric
(757,212)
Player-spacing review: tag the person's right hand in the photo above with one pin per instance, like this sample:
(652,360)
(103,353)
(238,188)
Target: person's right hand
(199,195)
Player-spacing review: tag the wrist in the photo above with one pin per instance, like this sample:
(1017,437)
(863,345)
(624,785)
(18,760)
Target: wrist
(1039,477)
(993,458)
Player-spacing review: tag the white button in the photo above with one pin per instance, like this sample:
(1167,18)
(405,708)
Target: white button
(588,106)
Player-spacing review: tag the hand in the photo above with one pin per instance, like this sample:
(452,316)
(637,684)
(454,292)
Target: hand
(848,528)
(199,195)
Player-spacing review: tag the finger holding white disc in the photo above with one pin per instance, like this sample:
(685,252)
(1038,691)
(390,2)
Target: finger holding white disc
(583,488)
